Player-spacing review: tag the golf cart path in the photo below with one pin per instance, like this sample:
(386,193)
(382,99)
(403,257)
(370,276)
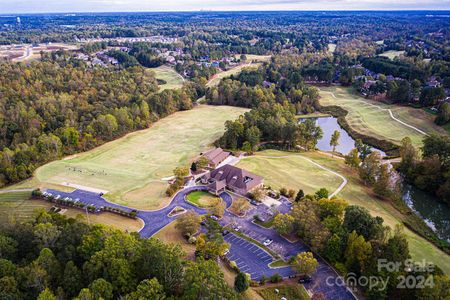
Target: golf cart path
(385,109)
(341,186)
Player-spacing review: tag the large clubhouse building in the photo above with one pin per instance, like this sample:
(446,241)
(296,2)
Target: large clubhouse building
(231,178)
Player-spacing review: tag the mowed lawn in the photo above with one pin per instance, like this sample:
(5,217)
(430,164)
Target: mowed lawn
(131,168)
(170,76)
(202,199)
(372,117)
(292,169)
(18,206)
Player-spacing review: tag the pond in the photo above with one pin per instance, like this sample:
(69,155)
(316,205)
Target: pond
(434,212)
(346,142)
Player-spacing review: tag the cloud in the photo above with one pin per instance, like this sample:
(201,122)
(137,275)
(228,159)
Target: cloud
(23,6)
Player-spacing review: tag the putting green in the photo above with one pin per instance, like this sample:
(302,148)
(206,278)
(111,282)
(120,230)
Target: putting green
(291,170)
(131,168)
(373,118)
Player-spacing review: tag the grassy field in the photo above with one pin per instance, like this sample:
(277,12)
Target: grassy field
(367,119)
(20,207)
(202,199)
(291,172)
(131,168)
(170,76)
(295,170)
(391,54)
(250,63)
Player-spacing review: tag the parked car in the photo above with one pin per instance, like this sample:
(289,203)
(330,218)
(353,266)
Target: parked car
(267,242)
(226,251)
(305,279)
(214,218)
(254,202)
(225,232)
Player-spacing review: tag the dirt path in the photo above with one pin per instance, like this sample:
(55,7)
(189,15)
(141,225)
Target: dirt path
(385,109)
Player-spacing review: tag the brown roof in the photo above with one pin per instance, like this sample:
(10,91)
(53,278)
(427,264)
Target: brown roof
(216,156)
(236,177)
(217,185)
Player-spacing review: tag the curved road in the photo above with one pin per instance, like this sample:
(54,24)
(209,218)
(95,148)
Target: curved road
(249,256)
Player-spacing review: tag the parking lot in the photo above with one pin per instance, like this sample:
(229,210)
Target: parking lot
(252,259)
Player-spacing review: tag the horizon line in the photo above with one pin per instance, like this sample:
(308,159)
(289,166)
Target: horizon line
(217,11)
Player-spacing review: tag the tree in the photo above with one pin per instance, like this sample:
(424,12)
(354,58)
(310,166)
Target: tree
(283,223)
(46,295)
(181,172)
(205,280)
(202,162)
(333,249)
(194,167)
(334,141)
(188,223)
(443,116)
(357,253)
(408,156)
(381,186)
(352,158)
(309,134)
(240,205)
(71,279)
(218,209)
(211,246)
(300,195)
(333,208)
(304,263)
(358,219)
(322,193)
(100,288)
(370,168)
(241,282)
(363,149)
(8,247)
(147,289)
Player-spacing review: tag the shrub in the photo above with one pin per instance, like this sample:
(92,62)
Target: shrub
(275,278)
(263,280)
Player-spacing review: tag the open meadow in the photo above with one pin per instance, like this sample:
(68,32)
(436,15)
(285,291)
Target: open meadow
(287,169)
(373,117)
(131,168)
(391,54)
(170,78)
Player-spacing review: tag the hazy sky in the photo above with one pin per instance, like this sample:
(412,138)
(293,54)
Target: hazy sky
(23,6)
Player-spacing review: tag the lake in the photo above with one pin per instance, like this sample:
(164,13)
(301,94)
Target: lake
(434,212)
(346,142)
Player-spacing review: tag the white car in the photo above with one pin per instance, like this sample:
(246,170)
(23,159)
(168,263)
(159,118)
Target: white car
(226,251)
(57,197)
(267,242)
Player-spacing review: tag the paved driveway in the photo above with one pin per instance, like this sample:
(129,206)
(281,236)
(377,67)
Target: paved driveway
(249,257)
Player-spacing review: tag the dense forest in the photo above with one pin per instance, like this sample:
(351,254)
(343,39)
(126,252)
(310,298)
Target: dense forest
(53,257)
(58,107)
